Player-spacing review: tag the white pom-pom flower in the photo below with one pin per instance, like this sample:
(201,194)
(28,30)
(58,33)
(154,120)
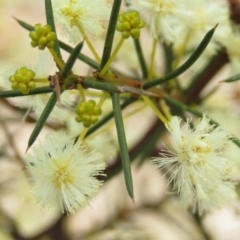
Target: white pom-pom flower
(164,16)
(93,17)
(198,168)
(64,174)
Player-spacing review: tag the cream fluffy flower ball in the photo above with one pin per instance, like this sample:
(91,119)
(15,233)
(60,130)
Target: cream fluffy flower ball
(93,16)
(164,16)
(64,174)
(198,168)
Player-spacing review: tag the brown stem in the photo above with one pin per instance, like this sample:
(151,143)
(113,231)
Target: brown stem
(10,140)
(192,94)
(235,10)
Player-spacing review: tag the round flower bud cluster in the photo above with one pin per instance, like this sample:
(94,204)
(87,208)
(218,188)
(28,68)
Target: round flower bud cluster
(87,113)
(42,36)
(129,23)
(23,79)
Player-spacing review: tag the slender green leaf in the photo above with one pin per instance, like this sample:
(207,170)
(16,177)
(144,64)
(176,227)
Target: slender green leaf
(141,59)
(122,143)
(168,56)
(43,118)
(25,25)
(71,60)
(17,93)
(87,83)
(81,56)
(233,78)
(108,117)
(191,60)
(110,33)
(50,21)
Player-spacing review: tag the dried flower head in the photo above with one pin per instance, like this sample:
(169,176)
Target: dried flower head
(199,169)
(64,173)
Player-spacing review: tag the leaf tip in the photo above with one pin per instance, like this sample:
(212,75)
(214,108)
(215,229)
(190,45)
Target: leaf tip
(27,149)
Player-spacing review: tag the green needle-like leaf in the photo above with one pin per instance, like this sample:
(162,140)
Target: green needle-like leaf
(87,83)
(24,25)
(71,60)
(168,55)
(43,118)
(81,56)
(122,143)
(141,59)
(17,93)
(110,33)
(191,60)
(50,21)
(233,78)
(108,117)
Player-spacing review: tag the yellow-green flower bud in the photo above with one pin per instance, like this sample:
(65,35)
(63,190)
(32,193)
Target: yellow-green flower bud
(18,77)
(50,44)
(85,118)
(51,36)
(42,40)
(11,79)
(23,79)
(97,111)
(126,26)
(125,35)
(38,29)
(86,124)
(31,85)
(94,119)
(22,87)
(91,102)
(15,86)
(31,74)
(78,118)
(42,36)
(23,70)
(135,33)
(47,29)
(34,43)
(87,112)
(135,22)
(134,14)
(129,24)
(33,35)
